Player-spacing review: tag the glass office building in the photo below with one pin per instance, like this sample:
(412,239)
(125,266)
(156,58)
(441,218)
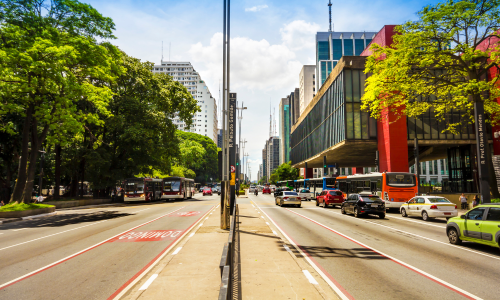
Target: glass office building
(331,46)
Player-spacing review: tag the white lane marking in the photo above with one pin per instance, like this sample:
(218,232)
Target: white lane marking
(139,210)
(335,286)
(426,238)
(148,283)
(201,224)
(192,233)
(83,251)
(19,229)
(206,218)
(267,223)
(309,277)
(177,251)
(287,249)
(410,220)
(416,270)
(49,235)
(275,233)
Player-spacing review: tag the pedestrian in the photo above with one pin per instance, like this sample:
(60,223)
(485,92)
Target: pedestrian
(112,195)
(1,203)
(463,200)
(476,201)
(39,199)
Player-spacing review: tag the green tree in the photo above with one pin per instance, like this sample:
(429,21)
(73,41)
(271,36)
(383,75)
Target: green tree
(286,172)
(192,154)
(49,60)
(263,180)
(208,168)
(138,137)
(439,63)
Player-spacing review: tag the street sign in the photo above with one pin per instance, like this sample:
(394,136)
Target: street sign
(233,169)
(233,179)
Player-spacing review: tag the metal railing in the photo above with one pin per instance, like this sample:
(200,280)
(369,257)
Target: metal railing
(229,261)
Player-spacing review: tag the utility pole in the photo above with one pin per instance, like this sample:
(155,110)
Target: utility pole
(225,194)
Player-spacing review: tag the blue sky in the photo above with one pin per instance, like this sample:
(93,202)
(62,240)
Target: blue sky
(271,40)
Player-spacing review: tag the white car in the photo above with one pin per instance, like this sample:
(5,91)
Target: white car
(429,207)
(288,198)
(305,194)
(252,189)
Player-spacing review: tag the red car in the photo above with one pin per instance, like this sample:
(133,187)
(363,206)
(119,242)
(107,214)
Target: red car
(330,197)
(266,190)
(207,191)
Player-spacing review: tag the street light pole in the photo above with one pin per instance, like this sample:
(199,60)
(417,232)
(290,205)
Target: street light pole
(41,171)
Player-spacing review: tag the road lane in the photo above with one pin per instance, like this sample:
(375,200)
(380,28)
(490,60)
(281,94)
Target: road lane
(100,271)
(359,271)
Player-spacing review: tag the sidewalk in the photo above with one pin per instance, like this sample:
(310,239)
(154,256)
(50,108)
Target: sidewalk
(269,268)
(193,272)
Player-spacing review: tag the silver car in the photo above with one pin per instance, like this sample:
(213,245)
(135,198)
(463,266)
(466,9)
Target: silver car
(288,198)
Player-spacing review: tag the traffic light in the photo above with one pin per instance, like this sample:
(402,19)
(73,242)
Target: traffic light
(325,166)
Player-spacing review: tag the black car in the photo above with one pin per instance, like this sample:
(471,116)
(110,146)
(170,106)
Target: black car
(363,204)
(281,189)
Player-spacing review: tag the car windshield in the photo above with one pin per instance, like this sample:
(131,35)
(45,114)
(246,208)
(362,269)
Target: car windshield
(371,198)
(304,191)
(290,193)
(438,200)
(401,179)
(171,186)
(336,193)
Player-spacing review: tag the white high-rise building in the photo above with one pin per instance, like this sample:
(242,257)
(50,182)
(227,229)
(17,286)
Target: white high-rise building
(307,86)
(204,122)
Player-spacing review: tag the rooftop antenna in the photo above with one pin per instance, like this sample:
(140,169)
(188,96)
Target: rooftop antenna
(274,121)
(330,11)
(270,120)
(162,51)
(169,48)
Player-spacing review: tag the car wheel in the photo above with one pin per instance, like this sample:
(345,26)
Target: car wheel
(447,219)
(317,202)
(342,210)
(356,214)
(325,205)
(299,206)
(453,237)
(425,216)
(281,204)
(403,212)
(382,216)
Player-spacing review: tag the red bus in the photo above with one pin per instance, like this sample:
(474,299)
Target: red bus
(142,189)
(177,188)
(393,188)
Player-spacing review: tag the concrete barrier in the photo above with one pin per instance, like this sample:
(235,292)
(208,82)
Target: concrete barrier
(75,203)
(26,213)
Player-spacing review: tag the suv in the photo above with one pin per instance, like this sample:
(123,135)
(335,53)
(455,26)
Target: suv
(266,190)
(480,225)
(364,204)
(330,197)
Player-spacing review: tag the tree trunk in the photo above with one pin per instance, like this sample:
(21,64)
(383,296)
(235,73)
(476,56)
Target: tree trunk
(28,188)
(17,194)
(57,172)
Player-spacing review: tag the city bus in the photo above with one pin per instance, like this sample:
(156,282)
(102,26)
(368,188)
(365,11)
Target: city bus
(141,189)
(178,188)
(394,188)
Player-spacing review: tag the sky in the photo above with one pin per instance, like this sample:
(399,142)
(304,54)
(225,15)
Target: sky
(270,42)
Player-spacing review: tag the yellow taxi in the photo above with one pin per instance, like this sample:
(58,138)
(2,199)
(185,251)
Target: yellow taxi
(429,207)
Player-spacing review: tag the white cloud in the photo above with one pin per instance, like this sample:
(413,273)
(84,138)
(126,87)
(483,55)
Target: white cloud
(299,34)
(256,8)
(254,64)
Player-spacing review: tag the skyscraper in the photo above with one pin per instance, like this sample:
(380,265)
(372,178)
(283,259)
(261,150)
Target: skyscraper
(331,46)
(284,111)
(307,86)
(272,155)
(204,122)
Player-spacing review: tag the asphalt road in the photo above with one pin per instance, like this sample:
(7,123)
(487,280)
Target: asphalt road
(391,258)
(91,253)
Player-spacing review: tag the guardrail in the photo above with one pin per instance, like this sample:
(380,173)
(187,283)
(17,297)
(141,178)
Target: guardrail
(229,261)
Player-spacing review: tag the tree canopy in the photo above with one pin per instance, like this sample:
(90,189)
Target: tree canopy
(439,63)
(284,172)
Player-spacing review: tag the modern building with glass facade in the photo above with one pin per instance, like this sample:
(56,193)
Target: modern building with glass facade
(331,46)
(285,125)
(333,126)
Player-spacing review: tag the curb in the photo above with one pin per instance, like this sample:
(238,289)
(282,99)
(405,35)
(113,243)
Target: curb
(27,218)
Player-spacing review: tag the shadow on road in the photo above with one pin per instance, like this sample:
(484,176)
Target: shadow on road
(329,252)
(68,219)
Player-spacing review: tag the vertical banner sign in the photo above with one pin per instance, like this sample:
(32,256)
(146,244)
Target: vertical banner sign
(232,146)
(482,155)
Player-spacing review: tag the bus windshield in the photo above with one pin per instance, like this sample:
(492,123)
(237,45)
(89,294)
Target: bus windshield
(171,186)
(401,180)
(134,187)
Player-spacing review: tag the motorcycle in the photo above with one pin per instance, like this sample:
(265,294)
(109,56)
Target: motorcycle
(256,193)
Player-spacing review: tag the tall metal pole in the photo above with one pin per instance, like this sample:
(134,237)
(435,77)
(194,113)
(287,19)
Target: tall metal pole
(225,153)
(417,165)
